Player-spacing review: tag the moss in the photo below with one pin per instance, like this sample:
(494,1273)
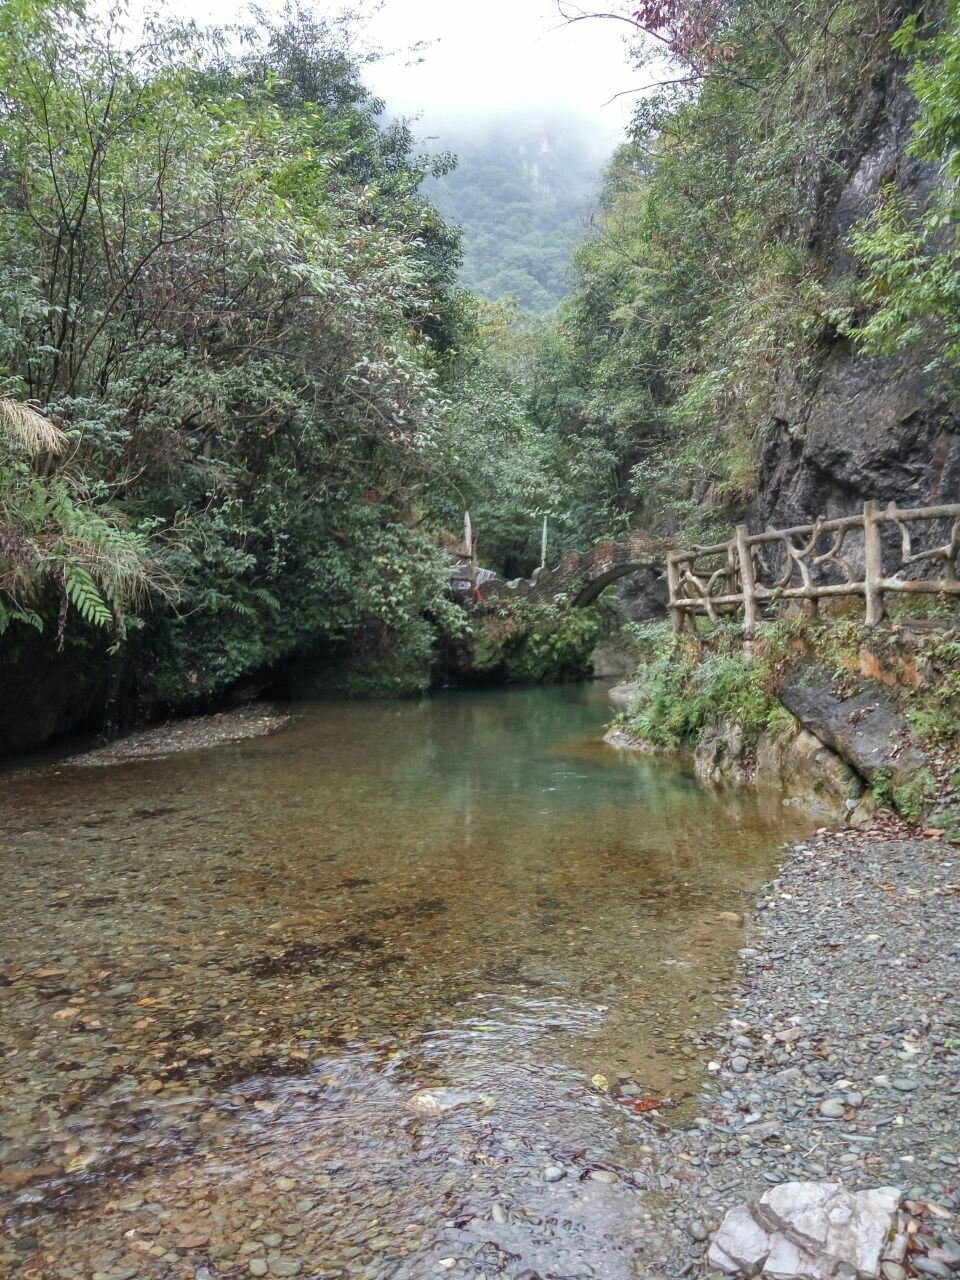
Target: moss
(881,789)
(914,798)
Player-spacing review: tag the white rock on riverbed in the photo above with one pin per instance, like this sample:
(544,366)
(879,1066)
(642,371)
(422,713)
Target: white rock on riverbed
(807,1231)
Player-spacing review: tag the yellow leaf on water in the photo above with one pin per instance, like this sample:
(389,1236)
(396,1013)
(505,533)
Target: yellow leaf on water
(600,1082)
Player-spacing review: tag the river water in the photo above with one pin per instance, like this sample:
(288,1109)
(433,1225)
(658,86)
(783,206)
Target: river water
(339,1002)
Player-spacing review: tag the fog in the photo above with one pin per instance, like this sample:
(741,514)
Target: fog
(451,62)
(498,59)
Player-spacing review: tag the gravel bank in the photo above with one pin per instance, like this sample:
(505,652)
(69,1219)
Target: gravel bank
(841,1059)
(196,734)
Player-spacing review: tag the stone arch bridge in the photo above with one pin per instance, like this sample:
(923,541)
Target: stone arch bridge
(582,575)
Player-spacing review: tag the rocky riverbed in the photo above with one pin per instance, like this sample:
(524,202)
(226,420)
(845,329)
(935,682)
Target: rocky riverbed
(344,1001)
(199,733)
(840,1058)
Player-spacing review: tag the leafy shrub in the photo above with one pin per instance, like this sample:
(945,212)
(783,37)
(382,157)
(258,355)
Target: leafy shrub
(682,690)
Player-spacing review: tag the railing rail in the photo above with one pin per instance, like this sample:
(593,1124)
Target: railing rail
(811,562)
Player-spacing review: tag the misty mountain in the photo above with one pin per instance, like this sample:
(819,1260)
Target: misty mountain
(523,191)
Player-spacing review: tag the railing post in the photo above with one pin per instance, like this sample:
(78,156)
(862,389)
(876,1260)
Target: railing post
(747,582)
(673,586)
(872,563)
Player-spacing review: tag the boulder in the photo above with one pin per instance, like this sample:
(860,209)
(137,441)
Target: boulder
(807,1231)
(808,773)
(741,1246)
(865,729)
(721,758)
(622,696)
(612,660)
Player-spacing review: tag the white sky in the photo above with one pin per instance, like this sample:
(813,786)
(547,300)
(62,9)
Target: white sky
(484,57)
(495,57)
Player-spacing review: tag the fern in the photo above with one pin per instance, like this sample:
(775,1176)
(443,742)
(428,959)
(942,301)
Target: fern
(85,598)
(268,598)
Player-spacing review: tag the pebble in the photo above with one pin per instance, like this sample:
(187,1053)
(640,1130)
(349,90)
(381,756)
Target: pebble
(832,1108)
(930,1267)
(816,1025)
(282,1266)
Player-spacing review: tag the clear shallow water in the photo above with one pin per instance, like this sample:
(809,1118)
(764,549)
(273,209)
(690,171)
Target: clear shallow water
(228,976)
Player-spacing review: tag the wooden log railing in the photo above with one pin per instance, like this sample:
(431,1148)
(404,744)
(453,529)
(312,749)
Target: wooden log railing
(753,572)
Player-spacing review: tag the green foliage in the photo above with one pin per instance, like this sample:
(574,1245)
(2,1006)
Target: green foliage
(85,597)
(222,281)
(534,641)
(522,190)
(57,545)
(881,789)
(933,709)
(557,645)
(682,692)
(702,280)
(911,287)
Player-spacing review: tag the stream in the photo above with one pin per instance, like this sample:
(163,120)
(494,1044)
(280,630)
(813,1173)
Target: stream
(400,991)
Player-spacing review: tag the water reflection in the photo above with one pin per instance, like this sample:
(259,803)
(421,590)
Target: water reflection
(228,976)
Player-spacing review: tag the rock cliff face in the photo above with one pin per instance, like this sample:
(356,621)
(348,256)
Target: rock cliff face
(857,427)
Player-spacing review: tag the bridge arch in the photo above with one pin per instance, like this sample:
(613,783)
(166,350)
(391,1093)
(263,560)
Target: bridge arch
(582,576)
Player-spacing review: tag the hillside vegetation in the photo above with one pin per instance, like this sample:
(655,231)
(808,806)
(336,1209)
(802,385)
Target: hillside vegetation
(246,395)
(523,190)
(744,241)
